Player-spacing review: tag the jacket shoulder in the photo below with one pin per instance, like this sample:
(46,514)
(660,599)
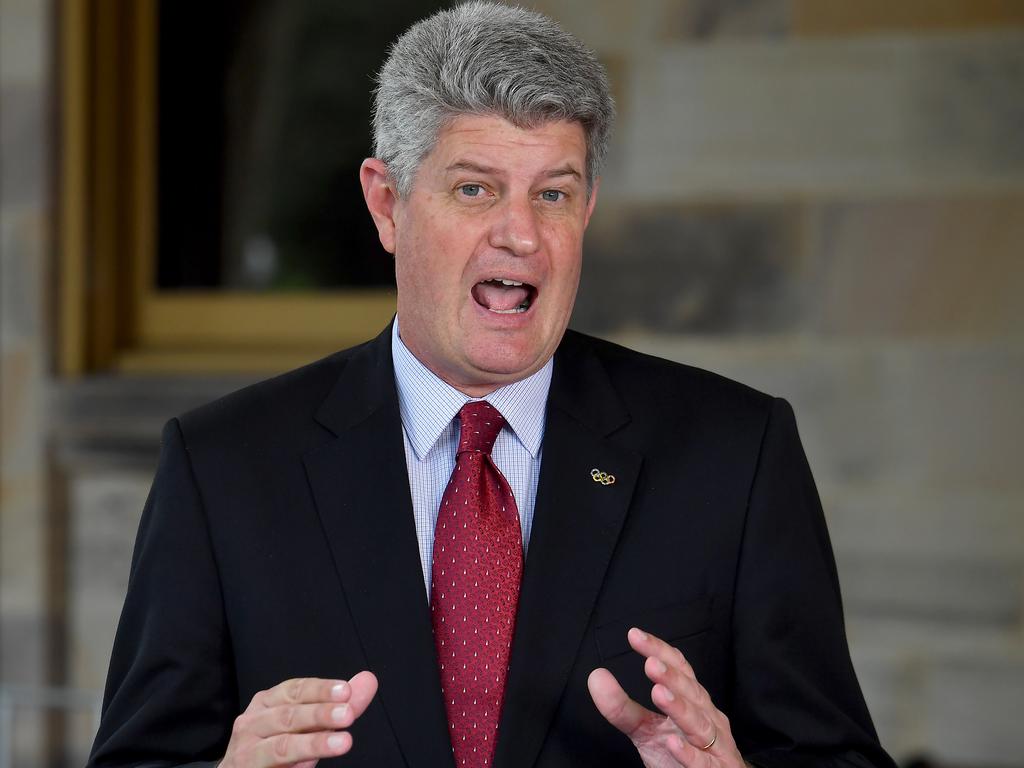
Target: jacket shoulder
(641,377)
(276,407)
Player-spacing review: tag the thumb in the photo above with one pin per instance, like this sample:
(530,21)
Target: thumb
(614,703)
(364,688)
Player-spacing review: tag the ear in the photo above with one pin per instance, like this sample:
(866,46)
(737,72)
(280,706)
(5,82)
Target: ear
(380,199)
(592,201)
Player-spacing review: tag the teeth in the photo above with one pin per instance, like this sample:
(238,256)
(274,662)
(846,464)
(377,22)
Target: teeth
(502,280)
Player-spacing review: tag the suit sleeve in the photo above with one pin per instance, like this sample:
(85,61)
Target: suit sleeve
(170,697)
(797,701)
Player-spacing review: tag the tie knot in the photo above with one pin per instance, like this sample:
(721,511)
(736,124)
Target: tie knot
(481,424)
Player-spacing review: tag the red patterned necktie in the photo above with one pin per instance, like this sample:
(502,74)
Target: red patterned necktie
(478,562)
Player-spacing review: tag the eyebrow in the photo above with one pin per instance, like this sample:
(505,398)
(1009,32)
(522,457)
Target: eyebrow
(565,170)
(466,165)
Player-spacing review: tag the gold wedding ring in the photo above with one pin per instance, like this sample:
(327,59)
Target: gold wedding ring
(712,742)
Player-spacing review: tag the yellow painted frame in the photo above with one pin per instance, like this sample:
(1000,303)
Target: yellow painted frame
(112,317)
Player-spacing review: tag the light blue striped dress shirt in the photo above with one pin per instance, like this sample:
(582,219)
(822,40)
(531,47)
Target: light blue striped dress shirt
(429,408)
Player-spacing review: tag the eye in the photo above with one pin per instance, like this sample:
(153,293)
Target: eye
(471,190)
(552,195)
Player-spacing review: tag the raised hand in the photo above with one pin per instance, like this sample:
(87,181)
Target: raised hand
(689,731)
(297,722)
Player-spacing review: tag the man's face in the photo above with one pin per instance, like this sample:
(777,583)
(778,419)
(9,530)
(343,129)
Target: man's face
(488,248)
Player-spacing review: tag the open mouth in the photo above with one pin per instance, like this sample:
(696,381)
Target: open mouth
(504,296)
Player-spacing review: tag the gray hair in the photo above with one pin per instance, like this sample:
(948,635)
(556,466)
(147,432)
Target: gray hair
(484,58)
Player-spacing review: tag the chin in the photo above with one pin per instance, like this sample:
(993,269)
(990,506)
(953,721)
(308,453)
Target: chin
(508,366)
(511,355)
(510,369)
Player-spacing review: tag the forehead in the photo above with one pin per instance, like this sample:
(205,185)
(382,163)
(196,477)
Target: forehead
(493,142)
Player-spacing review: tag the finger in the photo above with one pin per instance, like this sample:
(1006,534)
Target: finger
(304,690)
(647,644)
(615,705)
(676,681)
(691,718)
(686,754)
(683,700)
(363,688)
(286,749)
(706,734)
(299,718)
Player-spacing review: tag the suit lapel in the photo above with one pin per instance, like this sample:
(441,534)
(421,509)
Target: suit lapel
(361,487)
(576,526)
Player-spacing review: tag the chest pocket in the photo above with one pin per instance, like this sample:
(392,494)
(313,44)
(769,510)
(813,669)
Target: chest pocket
(673,623)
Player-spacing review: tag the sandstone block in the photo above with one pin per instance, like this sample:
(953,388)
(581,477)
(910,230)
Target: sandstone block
(923,268)
(849,117)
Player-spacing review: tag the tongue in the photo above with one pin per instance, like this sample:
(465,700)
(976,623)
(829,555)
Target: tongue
(498,296)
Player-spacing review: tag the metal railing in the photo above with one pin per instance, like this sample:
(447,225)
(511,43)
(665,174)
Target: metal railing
(25,697)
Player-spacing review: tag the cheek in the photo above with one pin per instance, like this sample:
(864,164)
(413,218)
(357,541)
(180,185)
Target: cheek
(564,241)
(414,256)
(428,275)
(568,261)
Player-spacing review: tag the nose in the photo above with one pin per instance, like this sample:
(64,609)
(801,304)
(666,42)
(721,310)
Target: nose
(516,227)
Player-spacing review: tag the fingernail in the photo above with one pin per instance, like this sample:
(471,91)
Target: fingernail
(660,666)
(338,713)
(339,691)
(667,693)
(337,741)
(640,634)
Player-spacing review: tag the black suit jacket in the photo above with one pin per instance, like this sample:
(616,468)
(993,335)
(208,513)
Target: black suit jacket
(278,542)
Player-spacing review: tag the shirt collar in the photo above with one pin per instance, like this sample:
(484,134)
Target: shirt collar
(428,404)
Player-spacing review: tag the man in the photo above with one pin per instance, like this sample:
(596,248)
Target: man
(481,539)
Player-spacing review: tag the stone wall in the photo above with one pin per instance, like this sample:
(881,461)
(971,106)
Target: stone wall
(26,224)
